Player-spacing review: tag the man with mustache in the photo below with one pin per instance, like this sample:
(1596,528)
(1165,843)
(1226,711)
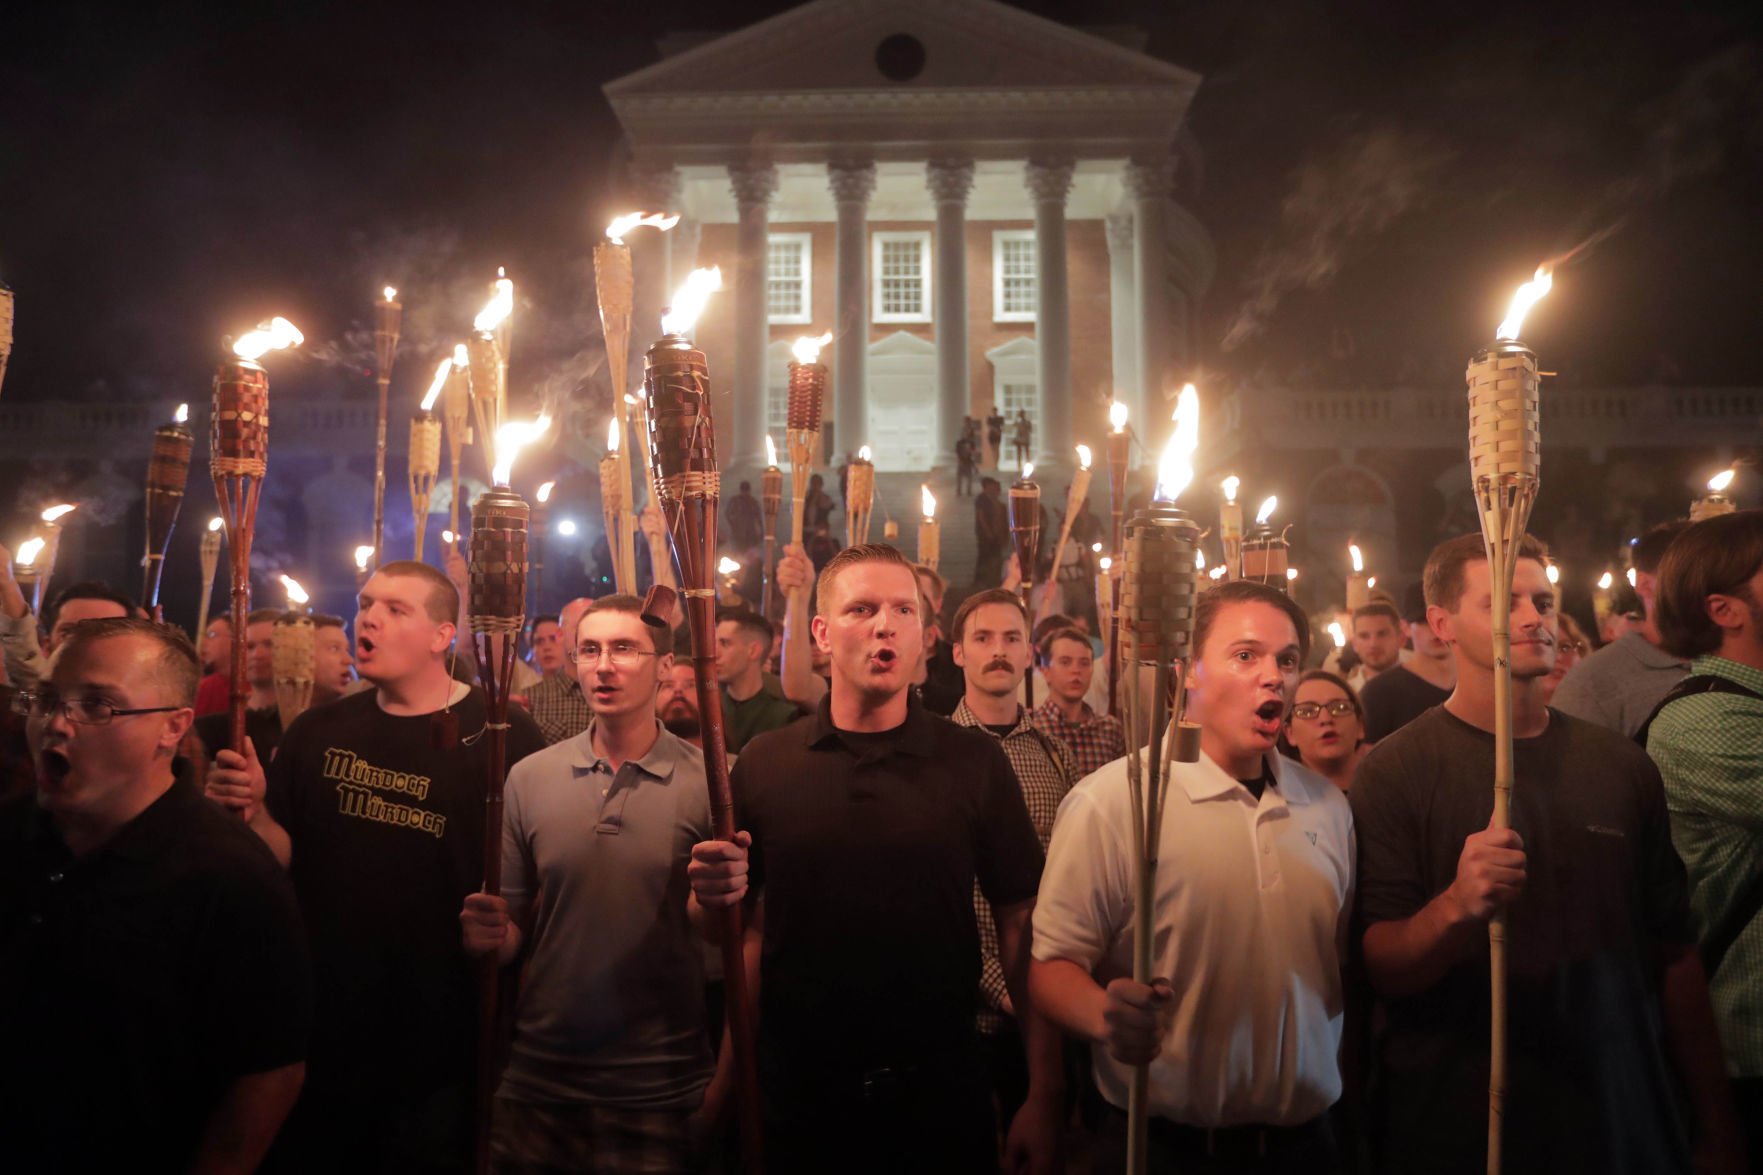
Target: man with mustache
(1243,1024)
(991,646)
(676,703)
(1609,1016)
(867,1054)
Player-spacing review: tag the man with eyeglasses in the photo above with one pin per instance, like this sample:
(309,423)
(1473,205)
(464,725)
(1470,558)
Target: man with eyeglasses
(610,1068)
(376,803)
(131,911)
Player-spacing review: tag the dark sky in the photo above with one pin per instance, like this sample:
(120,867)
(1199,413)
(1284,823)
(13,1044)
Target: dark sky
(1391,171)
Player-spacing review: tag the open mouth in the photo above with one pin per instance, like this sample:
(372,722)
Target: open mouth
(1267,717)
(53,766)
(884,658)
(364,646)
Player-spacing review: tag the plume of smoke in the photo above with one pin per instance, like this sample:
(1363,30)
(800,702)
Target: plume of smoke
(1338,199)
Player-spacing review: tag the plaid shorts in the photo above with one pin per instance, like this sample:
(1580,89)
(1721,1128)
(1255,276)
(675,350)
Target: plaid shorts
(530,1139)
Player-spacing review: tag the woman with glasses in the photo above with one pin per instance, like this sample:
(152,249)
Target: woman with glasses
(1571,648)
(1325,728)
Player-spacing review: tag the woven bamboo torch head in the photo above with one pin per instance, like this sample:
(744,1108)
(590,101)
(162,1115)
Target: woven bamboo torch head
(676,392)
(168,472)
(860,481)
(1266,555)
(1025,522)
(496,580)
(1160,588)
(388,318)
(771,493)
(239,431)
(1715,502)
(425,446)
(1505,444)
(807,386)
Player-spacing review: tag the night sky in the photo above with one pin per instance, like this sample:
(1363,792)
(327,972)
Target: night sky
(1378,178)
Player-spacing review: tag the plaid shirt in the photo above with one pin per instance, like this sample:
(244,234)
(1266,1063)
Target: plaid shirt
(1098,740)
(557,705)
(1044,771)
(1709,748)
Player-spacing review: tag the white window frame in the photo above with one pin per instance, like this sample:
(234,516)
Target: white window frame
(806,241)
(999,236)
(876,241)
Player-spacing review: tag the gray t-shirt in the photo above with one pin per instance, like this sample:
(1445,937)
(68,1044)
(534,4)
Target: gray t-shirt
(611,1007)
(1618,686)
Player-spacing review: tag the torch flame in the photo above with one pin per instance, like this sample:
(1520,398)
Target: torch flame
(727,566)
(449,537)
(1106,563)
(55,512)
(1606,581)
(216,522)
(434,392)
(863,454)
(612,435)
(770,451)
(1199,559)
(544,494)
(29,550)
(1337,634)
(1553,572)
(807,348)
(363,554)
(1266,511)
(1117,416)
(630,400)
(1292,575)
(498,308)
(928,502)
(1358,559)
(1083,456)
(297,594)
(461,356)
(391,294)
(511,438)
(273,335)
(1028,470)
(1721,480)
(1175,469)
(1231,485)
(689,301)
(182,416)
(1217,571)
(1096,547)
(1630,574)
(566,528)
(1528,295)
(630,220)
(1372,582)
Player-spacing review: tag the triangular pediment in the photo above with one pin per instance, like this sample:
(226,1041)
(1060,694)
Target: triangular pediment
(837,46)
(902,344)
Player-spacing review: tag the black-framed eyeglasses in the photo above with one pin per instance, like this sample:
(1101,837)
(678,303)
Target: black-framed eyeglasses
(86,713)
(1340,708)
(622,654)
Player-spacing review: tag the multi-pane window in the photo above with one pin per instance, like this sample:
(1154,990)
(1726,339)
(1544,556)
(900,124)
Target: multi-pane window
(789,265)
(901,268)
(1013,275)
(1018,397)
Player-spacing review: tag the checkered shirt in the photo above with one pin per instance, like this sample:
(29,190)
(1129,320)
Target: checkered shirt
(1044,771)
(1709,748)
(1098,740)
(557,705)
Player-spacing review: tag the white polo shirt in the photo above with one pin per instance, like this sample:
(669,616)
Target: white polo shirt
(1251,921)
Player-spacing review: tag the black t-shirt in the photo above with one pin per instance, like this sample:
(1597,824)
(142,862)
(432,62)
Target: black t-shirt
(1589,1086)
(388,839)
(865,850)
(1394,698)
(262,727)
(944,683)
(138,982)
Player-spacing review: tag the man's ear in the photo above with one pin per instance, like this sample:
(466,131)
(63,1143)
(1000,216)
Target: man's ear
(663,666)
(959,656)
(1726,611)
(177,725)
(1441,622)
(817,629)
(444,634)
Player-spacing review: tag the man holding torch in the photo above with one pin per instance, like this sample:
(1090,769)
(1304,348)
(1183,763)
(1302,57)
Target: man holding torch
(1243,1026)
(1608,1004)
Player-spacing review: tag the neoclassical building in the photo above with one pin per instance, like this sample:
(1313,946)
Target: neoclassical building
(980,205)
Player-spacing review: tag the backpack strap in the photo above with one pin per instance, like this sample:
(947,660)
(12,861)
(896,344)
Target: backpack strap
(1689,687)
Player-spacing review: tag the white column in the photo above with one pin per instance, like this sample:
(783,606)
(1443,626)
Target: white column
(654,187)
(754,184)
(950,181)
(682,250)
(852,182)
(1123,307)
(1151,181)
(1049,181)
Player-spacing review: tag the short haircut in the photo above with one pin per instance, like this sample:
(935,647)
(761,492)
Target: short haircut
(660,635)
(978,600)
(1714,557)
(263,616)
(88,589)
(754,626)
(1247,591)
(175,668)
(851,557)
(1650,547)
(926,571)
(442,604)
(1443,575)
(1377,608)
(1068,633)
(1049,624)
(1334,679)
(547,618)
(1414,603)
(323,621)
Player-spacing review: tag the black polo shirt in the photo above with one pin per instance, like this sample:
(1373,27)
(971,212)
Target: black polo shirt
(262,727)
(137,983)
(865,851)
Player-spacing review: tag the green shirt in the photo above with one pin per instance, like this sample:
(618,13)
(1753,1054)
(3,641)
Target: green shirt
(766,710)
(1709,748)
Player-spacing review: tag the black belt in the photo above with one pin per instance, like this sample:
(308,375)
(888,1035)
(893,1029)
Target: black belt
(1236,1143)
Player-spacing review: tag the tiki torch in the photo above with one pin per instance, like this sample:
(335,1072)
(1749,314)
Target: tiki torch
(1230,526)
(425,454)
(1265,552)
(1158,595)
(1075,496)
(292,653)
(50,528)
(1505,452)
(615,289)
(487,353)
(6,304)
(771,498)
(456,410)
(1025,535)
(1358,584)
(615,509)
(27,571)
(859,497)
(930,531)
(388,313)
(363,565)
(238,456)
(210,556)
(1715,502)
(807,390)
(541,517)
(682,439)
(168,471)
(1603,602)
(496,608)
